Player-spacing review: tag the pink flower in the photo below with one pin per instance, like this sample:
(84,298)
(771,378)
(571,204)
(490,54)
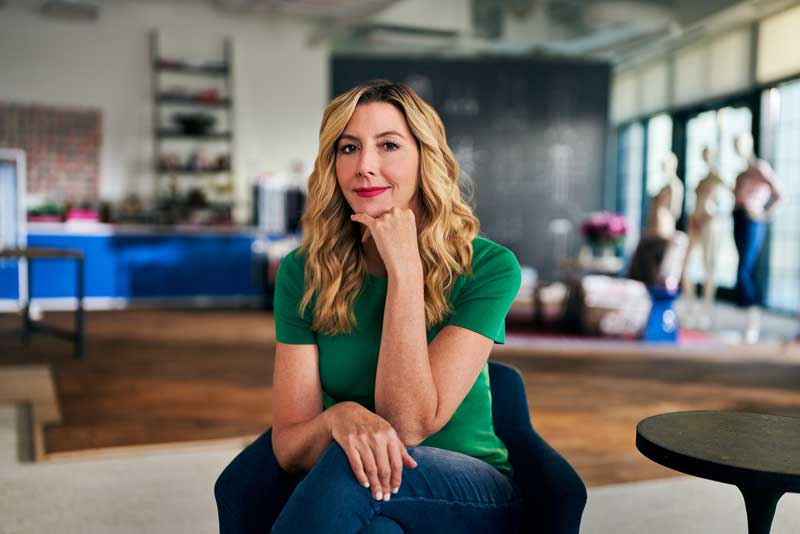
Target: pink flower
(603,226)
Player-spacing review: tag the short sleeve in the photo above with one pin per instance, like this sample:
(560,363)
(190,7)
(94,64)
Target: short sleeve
(483,301)
(290,327)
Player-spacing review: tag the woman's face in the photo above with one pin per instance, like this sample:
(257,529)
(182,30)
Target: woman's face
(377,161)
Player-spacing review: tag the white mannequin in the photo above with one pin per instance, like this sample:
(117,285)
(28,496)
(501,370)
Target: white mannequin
(665,207)
(702,235)
(757,194)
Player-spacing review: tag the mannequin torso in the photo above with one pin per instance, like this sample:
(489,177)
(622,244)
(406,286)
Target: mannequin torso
(755,190)
(665,208)
(706,201)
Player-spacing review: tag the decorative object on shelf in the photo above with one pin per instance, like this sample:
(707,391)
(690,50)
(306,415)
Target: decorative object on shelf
(194,123)
(604,231)
(220,68)
(197,162)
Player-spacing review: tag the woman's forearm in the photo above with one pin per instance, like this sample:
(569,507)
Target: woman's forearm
(298,446)
(405,392)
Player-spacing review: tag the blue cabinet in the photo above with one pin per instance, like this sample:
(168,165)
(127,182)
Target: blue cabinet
(142,265)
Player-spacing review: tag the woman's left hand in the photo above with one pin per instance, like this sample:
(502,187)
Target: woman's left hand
(395,235)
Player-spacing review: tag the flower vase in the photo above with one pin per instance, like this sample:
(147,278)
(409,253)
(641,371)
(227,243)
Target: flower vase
(603,250)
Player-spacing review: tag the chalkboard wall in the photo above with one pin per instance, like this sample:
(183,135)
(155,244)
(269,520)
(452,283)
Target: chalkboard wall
(530,133)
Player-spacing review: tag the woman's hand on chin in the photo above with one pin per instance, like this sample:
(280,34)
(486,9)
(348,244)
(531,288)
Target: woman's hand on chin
(395,235)
(376,454)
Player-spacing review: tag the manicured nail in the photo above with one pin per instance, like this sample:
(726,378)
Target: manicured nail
(379,496)
(395,490)
(387,497)
(365,484)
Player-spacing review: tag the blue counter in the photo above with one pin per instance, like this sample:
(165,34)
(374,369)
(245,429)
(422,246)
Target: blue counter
(126,263)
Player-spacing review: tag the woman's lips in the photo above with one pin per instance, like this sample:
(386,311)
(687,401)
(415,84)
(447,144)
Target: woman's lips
(369,192)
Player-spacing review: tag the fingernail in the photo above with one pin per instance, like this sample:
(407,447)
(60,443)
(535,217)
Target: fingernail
(365,484)
(379,496)
(395,490)
(387,497)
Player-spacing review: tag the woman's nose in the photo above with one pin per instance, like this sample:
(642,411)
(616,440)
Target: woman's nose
(368,163)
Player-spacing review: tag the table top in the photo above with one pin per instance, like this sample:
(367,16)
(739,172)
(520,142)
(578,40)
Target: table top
(744,449)
(40,252)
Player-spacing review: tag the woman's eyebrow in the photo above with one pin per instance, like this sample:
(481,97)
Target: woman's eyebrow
(382,134)
(389,132)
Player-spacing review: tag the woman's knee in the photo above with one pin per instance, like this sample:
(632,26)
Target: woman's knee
(250,471)
(334,467)
(330,485)
(230,488)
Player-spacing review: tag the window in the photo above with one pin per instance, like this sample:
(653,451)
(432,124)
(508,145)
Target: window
(659,144)
(630,149)
(716,129)
(780,139)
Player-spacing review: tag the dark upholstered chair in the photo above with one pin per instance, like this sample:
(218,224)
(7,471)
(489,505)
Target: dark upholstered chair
(554,493)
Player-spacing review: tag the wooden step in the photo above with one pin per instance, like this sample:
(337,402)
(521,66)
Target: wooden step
(33,386)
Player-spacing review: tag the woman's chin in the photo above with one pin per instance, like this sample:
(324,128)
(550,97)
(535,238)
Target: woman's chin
(373,209)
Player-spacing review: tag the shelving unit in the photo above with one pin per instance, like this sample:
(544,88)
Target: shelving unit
(191,186)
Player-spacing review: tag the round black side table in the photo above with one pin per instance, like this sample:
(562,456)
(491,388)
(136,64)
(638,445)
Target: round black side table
(760,454)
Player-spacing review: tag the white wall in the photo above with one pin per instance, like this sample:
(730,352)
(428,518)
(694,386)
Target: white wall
(624,96)
(281,84)
(654,86)
(714,66)
(778,41)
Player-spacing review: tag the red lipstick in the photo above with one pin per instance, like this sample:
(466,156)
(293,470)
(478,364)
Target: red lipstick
(369,192)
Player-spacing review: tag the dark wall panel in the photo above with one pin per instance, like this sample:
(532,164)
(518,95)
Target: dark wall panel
(530,133)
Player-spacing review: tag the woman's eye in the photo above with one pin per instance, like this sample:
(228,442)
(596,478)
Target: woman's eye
(347,149)
(388,145)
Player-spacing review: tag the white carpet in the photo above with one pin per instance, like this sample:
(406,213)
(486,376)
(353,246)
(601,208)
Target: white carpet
(153,493)
(685,505)
(173,493)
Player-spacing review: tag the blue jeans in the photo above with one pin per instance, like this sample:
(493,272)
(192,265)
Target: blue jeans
(749,237)
(447,492)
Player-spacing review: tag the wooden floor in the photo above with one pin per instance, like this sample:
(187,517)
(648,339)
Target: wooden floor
(154,377)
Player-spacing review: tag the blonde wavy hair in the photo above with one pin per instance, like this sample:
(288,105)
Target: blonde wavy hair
(336,268)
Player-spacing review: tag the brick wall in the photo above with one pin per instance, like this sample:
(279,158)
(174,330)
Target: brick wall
(62,145)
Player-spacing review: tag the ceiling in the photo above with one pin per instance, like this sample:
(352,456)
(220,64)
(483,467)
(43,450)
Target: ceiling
(610,30)
(607,30)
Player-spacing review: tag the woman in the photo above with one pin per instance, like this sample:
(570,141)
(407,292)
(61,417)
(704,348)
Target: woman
(385,317)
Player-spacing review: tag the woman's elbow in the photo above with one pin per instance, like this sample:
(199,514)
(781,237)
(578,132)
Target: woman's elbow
(286,460)
(413,434)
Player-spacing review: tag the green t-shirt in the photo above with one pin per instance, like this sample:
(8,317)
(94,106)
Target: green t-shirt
(348,362)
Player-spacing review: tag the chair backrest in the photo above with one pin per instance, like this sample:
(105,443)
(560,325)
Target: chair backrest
(509,401)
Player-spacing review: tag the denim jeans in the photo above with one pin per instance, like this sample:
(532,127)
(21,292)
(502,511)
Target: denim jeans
(749,237)
(447,492)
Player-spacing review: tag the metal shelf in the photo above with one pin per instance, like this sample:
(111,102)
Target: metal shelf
(163,170)
(196,70)
(177,134)
(165,134)
(175,100)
